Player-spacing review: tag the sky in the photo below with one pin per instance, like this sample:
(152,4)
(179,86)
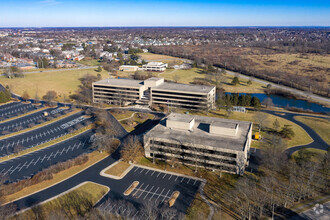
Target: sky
(116,13)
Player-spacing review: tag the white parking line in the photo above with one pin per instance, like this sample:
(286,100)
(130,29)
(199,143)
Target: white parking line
(164,175)
(148,192)
(152,173)
(141,170)
(158,174)
(142,191)
(154,193)
(137,190)
(166,195)
(160,194)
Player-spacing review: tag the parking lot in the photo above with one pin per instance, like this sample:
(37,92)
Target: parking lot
(41,135)
(155,187)
(25,166)
(28,120)
(16,108)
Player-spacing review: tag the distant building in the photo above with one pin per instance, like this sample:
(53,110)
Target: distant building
(239,109)
(154,91)
(24,66)
(155,66)
(212,143)
(128,68)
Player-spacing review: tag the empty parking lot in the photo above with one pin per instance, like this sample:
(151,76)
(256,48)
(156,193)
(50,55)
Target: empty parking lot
(154,187)
(16,108)
(29,164)
(41,135)
(28,120)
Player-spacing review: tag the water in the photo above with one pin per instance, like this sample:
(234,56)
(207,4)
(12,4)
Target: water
(280,101)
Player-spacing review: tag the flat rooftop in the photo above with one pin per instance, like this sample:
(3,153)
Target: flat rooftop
(177,117)
(184,87)
(120,82)
(200,132)
(153,79)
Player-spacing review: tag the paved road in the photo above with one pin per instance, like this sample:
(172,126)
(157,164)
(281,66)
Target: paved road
(41,135)
(292,90)
(317,143)
(154,186)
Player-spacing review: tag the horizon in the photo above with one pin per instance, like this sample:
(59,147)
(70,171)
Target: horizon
(165,13)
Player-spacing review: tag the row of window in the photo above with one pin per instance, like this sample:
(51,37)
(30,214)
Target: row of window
(200,157)
(191,99)
(201,164)
(115,88)
(154,92)
(183,147)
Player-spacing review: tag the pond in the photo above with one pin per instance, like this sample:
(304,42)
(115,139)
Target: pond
(280,101)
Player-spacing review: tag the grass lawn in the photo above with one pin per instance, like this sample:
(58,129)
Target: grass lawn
(118,169)
(119,115)
(63,82)
(88,191)
(319,125)
(151,57)
(301,137)
(58,177)
(130,123)
(315,153)
(88,61)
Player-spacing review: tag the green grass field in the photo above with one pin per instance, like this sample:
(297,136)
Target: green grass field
(63,82)
(319,125)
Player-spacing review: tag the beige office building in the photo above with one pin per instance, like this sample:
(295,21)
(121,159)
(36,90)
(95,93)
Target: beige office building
(212,143)
(154,91)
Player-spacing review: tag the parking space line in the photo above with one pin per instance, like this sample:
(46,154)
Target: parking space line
(195,182)
(152,173)
(137,189)
(170,177)
(182,179)
(148,192)
(147,171)
(141,170)
(160,194)
(142,191)
(166,195)
(154,193)
(164,175)
(158,174)
(188,181)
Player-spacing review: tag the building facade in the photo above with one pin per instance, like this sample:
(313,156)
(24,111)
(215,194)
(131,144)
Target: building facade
(117,91)
(154,91)
(155,66)
(211,143)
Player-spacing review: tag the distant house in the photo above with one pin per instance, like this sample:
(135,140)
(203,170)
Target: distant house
(239,109)
(145,50)
(24,66)
(128,68)
(155,66)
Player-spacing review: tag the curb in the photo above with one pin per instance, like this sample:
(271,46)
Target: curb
(102,173)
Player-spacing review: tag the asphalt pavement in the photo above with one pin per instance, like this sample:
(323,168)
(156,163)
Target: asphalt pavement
(26,166)
(16,108)
(41,135)
(29,120)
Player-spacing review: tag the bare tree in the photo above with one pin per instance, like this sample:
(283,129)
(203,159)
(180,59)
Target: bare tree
(261,119)
(132,149)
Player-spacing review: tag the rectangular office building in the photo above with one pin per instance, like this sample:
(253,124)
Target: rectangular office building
(118,91)
(188,96)
(154,91)
(212,143)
